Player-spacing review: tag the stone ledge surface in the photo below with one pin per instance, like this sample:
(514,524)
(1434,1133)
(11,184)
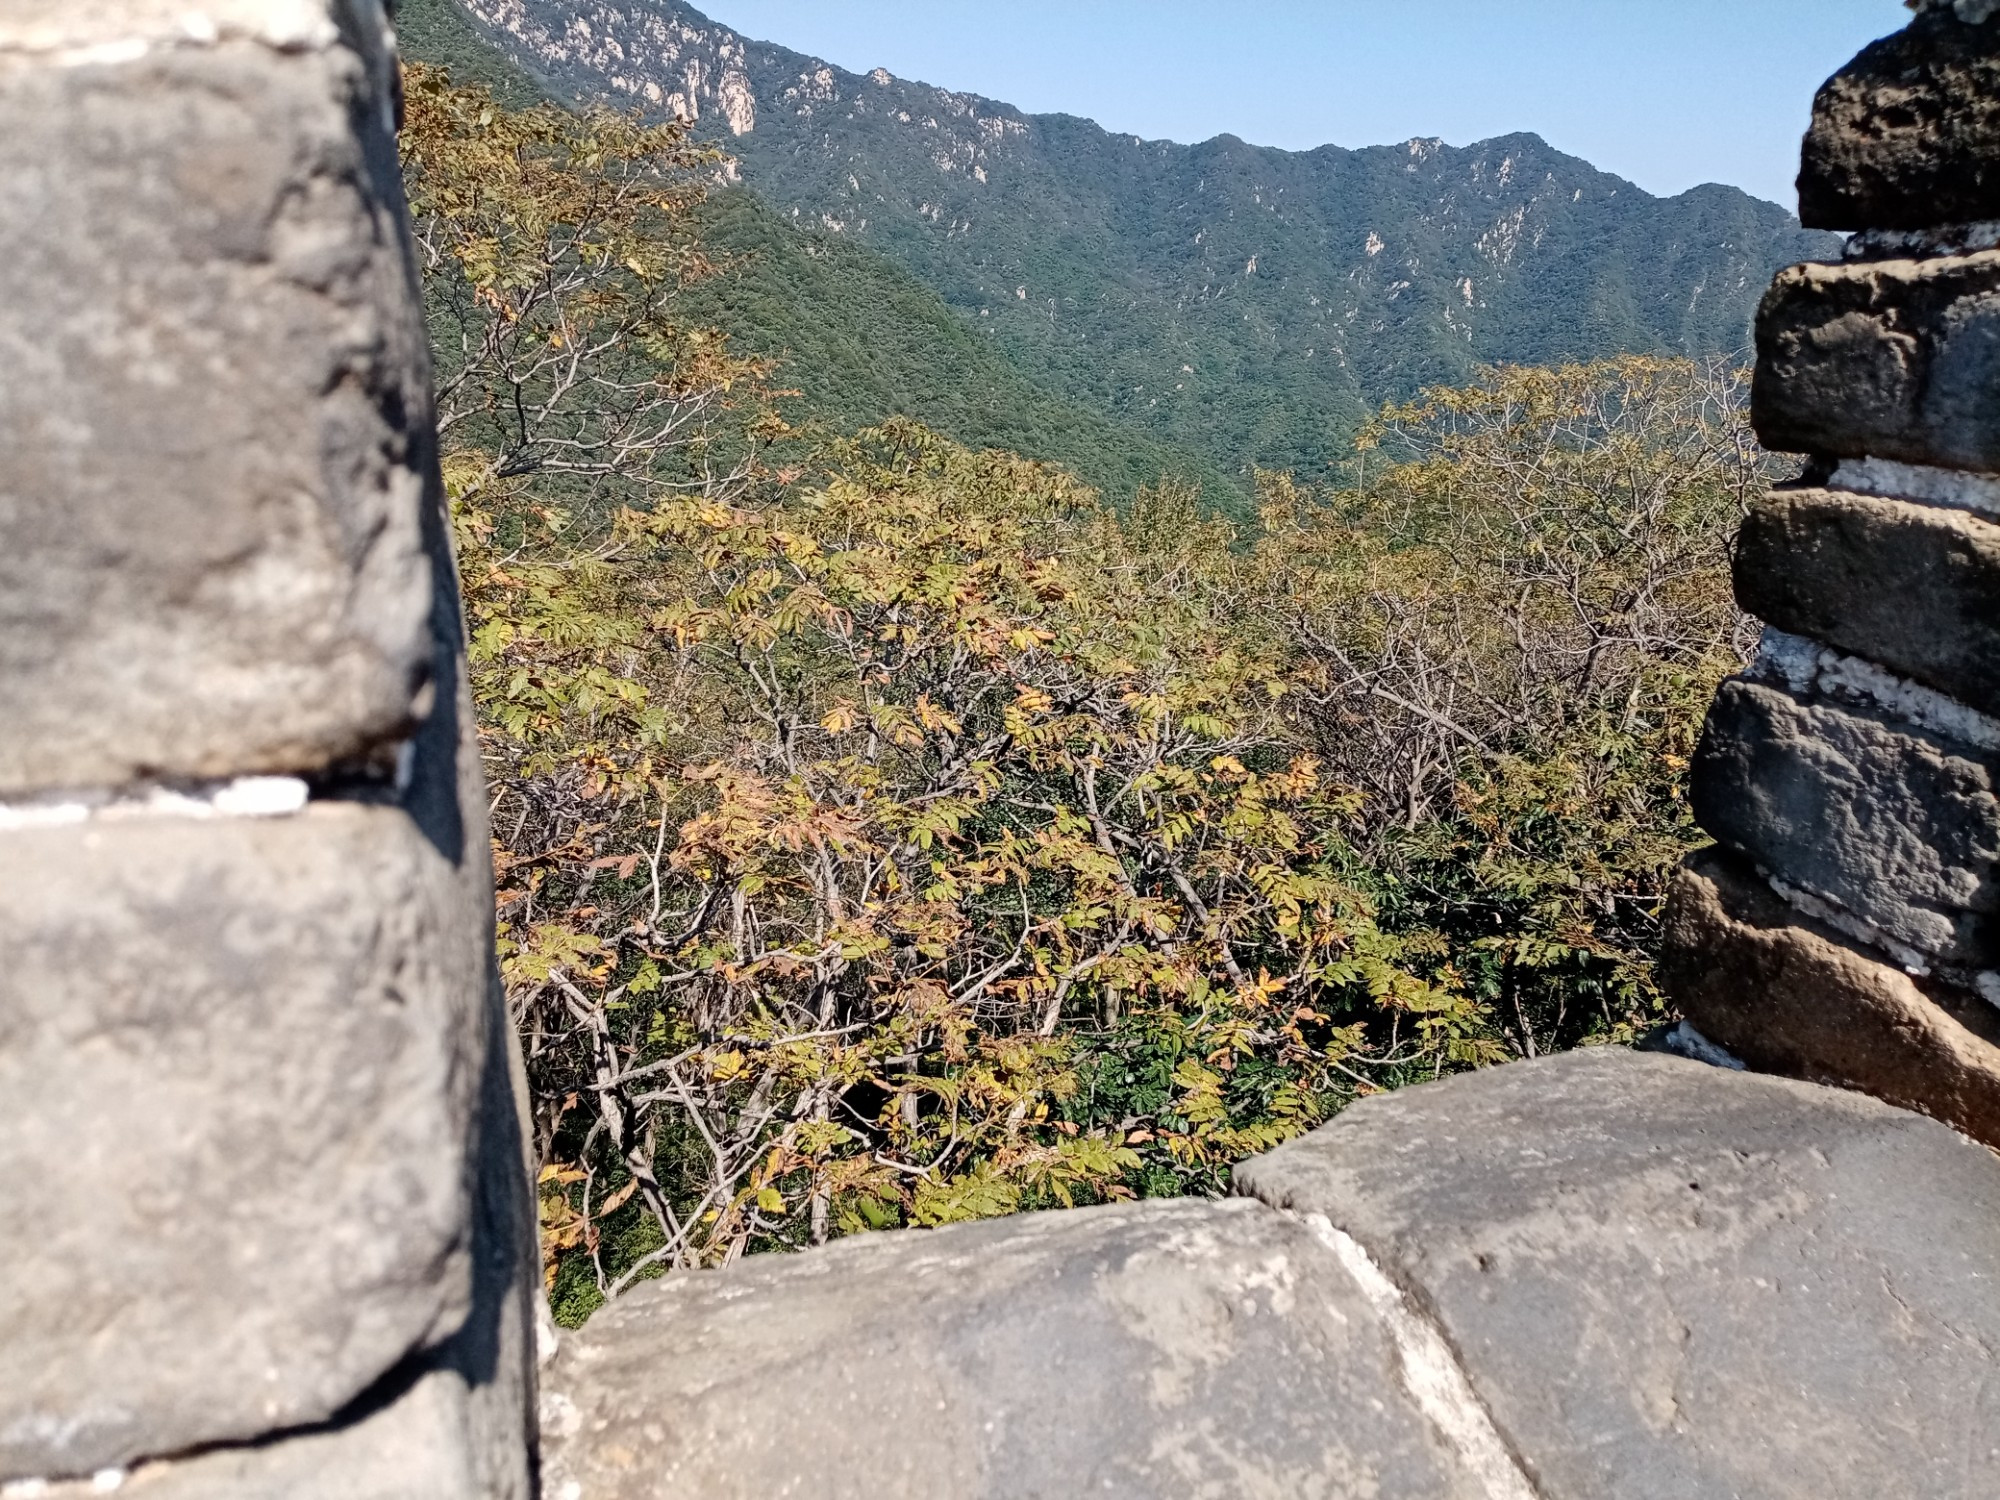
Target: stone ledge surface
(1893,359)
(1899,827)
(1673,1282)
(1151,1352)
(1791,997)
(211,476)
(1913,588)
(241,1061)
(1907,136)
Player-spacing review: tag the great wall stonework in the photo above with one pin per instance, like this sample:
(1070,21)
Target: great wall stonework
(269,1227)
(1847,930)
(271,1231)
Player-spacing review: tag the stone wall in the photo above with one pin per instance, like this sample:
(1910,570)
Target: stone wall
(270,1232)
(268,1229)
(1847,927)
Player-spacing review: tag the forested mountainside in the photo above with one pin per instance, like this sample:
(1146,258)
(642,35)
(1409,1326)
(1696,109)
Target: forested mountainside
(1248,304)
(892,833)
(859,338)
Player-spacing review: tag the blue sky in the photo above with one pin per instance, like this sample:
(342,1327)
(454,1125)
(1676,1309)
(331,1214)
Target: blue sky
(1669,93)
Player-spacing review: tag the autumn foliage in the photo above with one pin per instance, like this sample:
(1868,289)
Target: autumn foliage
(891,834)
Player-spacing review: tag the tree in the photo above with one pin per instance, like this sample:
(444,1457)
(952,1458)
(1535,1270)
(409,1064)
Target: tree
(895,834)
(1515,621)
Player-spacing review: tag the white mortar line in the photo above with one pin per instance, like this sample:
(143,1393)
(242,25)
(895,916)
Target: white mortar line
(1803,665)
(1431,1373)
(1918,484)
(244,797)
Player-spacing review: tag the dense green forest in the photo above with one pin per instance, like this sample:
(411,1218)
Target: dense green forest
(1250,306)
(892,831)
(859,339)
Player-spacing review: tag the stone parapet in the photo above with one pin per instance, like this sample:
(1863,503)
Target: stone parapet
(1667,1281)
(1795,997)
(1597,1275)
(1894,359)
(1848,928)
(1907,136)
(1895,826)
(271,1225)
(1158,1349)
(242,1058)
(1913,587)
(217,397)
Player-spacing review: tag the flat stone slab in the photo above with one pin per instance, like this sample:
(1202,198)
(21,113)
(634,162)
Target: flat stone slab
(1915,588)
(1155,1351)
(1896,827)
(1894,359)
(240,1060)
(1674,1282)
(212,431)
(1790,996)
(1907,136)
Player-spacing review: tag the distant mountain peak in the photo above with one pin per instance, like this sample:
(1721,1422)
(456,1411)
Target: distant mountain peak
(1325,282)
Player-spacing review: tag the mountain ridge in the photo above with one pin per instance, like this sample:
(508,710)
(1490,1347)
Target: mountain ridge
(1246,302)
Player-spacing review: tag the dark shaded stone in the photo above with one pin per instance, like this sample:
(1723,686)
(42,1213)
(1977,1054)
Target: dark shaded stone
(1898,827)
(1674,1282)
(1894,359)
(1791,996)
(1157,1351)
(1907,136)
(1913,588)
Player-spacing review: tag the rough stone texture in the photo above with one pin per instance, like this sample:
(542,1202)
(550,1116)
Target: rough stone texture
(241,1062)
(1672,1282)
(1896,359)
(81,29)
(1907,136)
(1898,827)
(215,364)
(1792,997)
(1153,1352)
(1911,587)
(410,1443)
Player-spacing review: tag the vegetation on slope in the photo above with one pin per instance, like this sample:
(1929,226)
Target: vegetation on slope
(1251,305)
(891,833)
(859,340)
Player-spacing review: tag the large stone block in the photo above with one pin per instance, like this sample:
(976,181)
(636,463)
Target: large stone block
(1673,1282)
(1157,1351)
(1907,136)
(1895,359)
(1790,996)
(212,423)
(1911,587)
(242,1061)
(413,1440)
(1896,826)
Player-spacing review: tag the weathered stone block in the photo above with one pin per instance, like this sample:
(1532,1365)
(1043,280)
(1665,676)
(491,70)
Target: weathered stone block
(1895,359)
(1672,1282)
(210,476)
(1911,587)
(1154,1351)
(1790,996)
(1899,827)
(414,1443)
(1907,136)
(241,1062)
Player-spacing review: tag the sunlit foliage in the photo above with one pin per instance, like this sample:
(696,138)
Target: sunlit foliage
(895,834)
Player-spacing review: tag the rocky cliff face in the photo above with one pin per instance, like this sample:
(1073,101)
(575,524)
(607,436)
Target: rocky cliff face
(1241,299)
